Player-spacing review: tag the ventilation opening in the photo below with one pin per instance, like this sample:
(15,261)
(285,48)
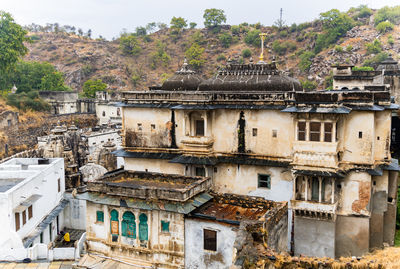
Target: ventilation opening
(43,161)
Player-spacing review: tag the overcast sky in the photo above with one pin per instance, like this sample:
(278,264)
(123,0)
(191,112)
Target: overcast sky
(109,17)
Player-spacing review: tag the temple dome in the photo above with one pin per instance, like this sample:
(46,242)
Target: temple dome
(250,77)
(183,80)
(388,64)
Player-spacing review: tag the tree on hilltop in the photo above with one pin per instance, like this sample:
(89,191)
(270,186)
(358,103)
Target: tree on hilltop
(213,18)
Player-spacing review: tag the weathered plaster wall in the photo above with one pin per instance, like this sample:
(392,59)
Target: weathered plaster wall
(196,257)
(243,179)
(139,132)
(313,237)
(75,214)
(225,131)
(154,165)
(355,194)
(166,248)
(352,236)
(355,149)
(383,120)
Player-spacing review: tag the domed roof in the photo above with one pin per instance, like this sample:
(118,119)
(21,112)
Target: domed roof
(388,64)
(183,80)
(250,77)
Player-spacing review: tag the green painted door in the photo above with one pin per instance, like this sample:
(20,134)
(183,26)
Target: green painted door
(143,228)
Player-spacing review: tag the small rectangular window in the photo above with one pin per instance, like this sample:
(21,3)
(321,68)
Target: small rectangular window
(264,181)
(165,226)
(315,131)
(199,127)
(301,130)
(254,131)
(139,126)
(328,131)
(59,185)
(359,134)
(274,133)
(210,240)
(153,126)
(99,216)
(200,171)
(30,212)
(23,217)
(17,221)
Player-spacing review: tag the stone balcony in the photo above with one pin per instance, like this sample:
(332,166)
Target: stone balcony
(313,209)
(197,143)
(319,154)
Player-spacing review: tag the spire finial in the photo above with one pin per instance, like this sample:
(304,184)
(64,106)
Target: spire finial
(262,36)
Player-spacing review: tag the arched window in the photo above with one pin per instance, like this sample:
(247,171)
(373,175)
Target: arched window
(114,225)
(128,225)
(143,228)
(118,111)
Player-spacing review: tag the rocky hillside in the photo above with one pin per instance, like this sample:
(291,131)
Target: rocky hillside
(82,58)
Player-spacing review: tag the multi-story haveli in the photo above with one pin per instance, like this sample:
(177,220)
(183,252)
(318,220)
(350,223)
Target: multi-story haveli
(254,131)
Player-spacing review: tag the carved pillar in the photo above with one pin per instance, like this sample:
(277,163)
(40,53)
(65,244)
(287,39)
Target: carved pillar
(319,189)
(333,190)
(306,194)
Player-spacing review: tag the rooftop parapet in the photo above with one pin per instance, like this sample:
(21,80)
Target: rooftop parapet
(148,186)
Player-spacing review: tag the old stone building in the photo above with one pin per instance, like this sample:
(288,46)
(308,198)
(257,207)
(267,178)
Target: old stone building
(254,131)
(8,119)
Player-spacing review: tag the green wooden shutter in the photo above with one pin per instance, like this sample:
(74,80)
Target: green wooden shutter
(129,225)
(165,226)
(143,228)
(100,216)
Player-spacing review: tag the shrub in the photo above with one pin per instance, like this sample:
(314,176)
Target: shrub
(221,57)
(293,28)
(374,61)
(25,101)
(195,56)
(213,18)
(349,48)
(283,33)
(361,12)
(225,39)
(391,14)
(246,53)
(198,37)
(160,56)
(308,85)
(253,38)
(338,49)
(374,47)
(362,68)
(235,29)
(384,27)
(192,25)
(282,47)
(306,60)
(390,40)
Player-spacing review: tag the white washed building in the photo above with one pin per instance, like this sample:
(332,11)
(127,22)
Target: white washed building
(31,202)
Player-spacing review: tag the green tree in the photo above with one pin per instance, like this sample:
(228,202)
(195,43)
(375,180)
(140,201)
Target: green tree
(12,38)
(141,31)
(90,87)
(178,23)
(335,25)
(25,101)
(225,39)
(53,82)
(213,18)
(159,56)
(192,25)
(195,56)
(391,14)
(129,44)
